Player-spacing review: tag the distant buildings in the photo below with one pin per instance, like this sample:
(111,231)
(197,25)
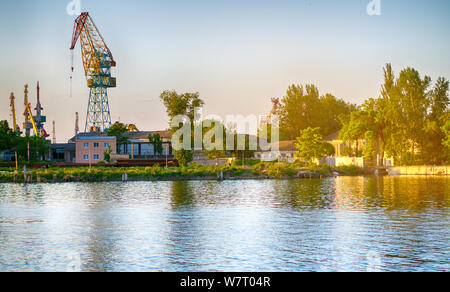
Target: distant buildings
(285,152)
(287,149)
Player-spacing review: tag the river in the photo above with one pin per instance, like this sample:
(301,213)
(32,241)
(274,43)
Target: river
(333,224)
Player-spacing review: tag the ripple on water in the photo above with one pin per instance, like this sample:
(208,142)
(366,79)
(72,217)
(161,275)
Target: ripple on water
(342,224)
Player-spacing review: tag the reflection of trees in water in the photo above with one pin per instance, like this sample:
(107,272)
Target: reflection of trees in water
(185,227)
(101,249)
(392,193)
(182,194)
(302,194)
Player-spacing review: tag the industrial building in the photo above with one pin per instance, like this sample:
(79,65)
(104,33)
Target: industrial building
(139,146)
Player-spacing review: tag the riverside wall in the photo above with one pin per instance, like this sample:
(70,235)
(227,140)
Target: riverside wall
(419,170)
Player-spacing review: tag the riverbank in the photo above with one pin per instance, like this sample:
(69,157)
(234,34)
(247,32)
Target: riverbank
(193,172)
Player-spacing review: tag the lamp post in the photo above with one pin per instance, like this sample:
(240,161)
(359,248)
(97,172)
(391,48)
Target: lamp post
(167,151)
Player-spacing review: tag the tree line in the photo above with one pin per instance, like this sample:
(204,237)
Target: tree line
(409,121)
(27,148)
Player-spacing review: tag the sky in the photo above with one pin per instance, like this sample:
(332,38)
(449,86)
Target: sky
(238,54)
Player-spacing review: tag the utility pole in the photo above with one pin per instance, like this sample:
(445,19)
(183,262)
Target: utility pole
(167,153)
(28,149)
(13,110)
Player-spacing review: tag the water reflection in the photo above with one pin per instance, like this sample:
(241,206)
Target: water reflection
(297,225)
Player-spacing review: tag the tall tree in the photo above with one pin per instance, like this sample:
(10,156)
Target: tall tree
(331,110)
(181,105)
(405,122)
(303,107)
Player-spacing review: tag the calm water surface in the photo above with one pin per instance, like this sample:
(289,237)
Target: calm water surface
(342,224)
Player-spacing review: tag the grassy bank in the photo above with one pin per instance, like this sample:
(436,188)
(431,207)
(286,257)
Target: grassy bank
(260,170)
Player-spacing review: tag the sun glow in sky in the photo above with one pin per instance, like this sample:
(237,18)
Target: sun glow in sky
(237,54)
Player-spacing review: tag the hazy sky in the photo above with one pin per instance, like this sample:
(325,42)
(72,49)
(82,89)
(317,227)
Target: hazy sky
(236,53)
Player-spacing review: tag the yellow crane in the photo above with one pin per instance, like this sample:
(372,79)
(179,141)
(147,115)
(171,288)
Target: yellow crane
(132,128)
(30,114)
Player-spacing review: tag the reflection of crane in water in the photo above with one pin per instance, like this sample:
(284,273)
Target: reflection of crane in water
(97,62)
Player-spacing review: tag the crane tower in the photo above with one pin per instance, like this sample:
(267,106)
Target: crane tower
(97,62)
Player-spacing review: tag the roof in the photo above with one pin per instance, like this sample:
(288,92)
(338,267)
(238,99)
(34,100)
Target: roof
(283,146)
(144,134)
(90,134)
(65,146)
(287,146)
(96,138)
(332,137)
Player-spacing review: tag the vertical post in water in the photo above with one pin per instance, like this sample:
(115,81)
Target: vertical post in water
(24,174)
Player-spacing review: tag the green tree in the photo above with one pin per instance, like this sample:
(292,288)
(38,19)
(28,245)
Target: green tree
(414,115)
(411,106)
(107,154)
(37,147)
(433,150)
(310,145)
(8,138)
(218,140)
(331,110)
(181,105)
(119,130)
(446,140)
(156,141)
(302,107)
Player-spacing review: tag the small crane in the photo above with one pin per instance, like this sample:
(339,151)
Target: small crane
(42,133)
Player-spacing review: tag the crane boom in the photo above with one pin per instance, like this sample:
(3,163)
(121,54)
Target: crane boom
(92,44)
(28,111)
(97,62)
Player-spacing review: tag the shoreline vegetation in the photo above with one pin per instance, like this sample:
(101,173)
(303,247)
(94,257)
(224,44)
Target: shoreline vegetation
(258,171)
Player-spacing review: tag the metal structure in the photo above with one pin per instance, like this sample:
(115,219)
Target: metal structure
(132,128)
(30,114)
(13,110)
(77,127)
(39,119)
(37,122)
(27,125)
(37,132)
(97,62)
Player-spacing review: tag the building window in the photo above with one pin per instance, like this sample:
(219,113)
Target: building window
(86,145)
(96,145)
(86,157)
(96,157)
(106,145)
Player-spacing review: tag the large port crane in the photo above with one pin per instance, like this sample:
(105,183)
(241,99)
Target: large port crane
(97,62)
